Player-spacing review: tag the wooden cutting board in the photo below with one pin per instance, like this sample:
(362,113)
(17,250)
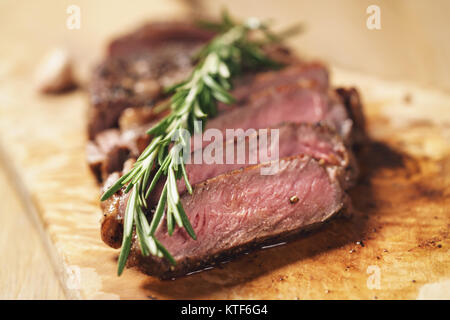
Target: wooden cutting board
(395,245)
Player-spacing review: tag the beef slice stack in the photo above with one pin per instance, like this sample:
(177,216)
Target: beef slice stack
(234,208)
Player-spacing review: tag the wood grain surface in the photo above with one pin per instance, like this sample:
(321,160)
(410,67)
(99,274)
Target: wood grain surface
(400,207)
(27,272)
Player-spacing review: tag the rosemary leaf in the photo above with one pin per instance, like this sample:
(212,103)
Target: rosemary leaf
(124,252)
(186,179)
(186,223)
(165,252)
(169,218)
(159,211)
(141,235)
(149,241)
(154,181)
(128,232)
(175,213)
(172,186)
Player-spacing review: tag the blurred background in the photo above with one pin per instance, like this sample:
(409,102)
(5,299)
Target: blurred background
(413,44)
(413,41)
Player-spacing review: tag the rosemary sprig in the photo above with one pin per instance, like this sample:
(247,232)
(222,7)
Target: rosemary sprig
(192,100)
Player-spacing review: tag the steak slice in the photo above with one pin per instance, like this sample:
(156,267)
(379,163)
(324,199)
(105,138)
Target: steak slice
(139,66)
(243,209)
(317,141)
(300,73)
(294,103)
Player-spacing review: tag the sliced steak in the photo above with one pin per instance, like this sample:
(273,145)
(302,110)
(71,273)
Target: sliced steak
(290,103)
(233,208)
(315,140)
(261,89)
(138,67)
(300,73)
(294,103)
(318,141)
(289,139)
(285,103)
(243,209)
